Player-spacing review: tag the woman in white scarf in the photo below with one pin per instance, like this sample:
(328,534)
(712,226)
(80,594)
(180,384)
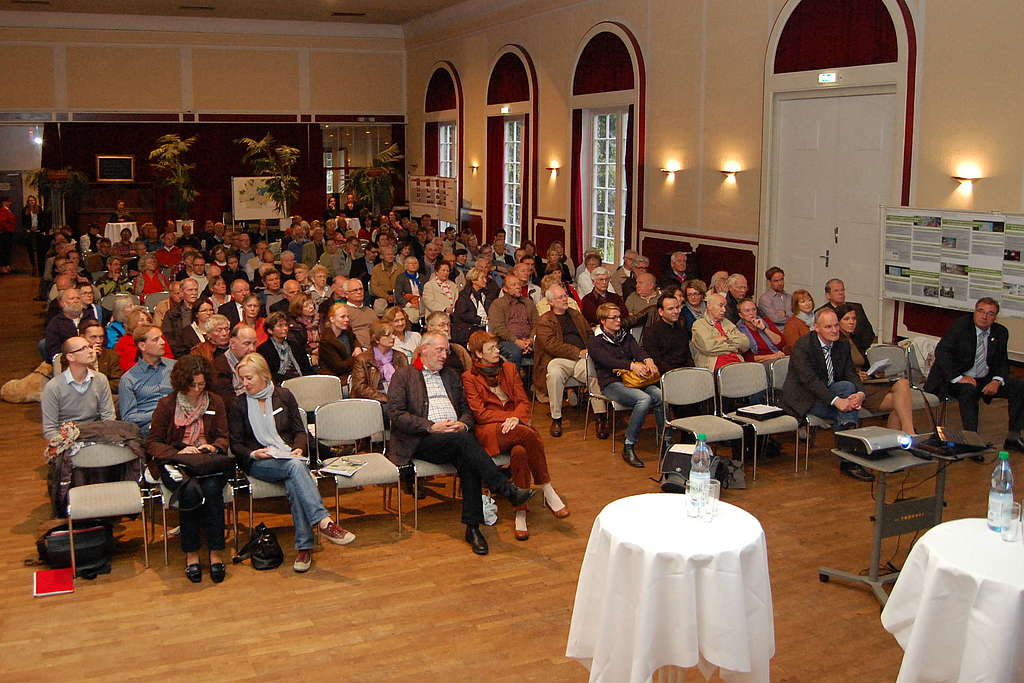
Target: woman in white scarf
(269,440)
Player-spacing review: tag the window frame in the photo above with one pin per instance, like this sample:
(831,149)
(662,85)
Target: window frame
(589,189)
(514,229)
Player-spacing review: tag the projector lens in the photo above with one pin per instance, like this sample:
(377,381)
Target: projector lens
(905,441)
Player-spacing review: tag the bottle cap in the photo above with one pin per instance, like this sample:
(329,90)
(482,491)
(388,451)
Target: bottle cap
(702,437)
(1003,455)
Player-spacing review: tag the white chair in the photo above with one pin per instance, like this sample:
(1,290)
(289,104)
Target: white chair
(690,386)
(427,470)
(111,499)
(778,370)
(593,392)
(313,391)
(351,420)
(739,380)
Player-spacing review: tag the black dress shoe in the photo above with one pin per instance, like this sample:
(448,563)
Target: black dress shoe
(194,573)
(217,572)
(407,475)
(556,427)
(855,471)
(516,495)
(602,426)
(629,455)
(1014,445)
(476,540)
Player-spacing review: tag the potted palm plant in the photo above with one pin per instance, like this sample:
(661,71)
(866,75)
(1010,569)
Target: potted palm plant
(168,163)
(274,161)
(374,186)
(57,188)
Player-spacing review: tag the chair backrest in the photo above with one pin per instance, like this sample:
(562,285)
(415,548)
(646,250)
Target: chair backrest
(58,366)
(102,455)
(313,391)
(155,299)
(637,332)
(109,302)
(349,419)
(778,370)
(685,386)
(738,380)
(897,356)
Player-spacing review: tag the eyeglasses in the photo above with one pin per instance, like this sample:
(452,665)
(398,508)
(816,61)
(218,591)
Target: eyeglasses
(81,348)
(987,314)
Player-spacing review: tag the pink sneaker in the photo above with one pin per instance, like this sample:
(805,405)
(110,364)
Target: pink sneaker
(335,534)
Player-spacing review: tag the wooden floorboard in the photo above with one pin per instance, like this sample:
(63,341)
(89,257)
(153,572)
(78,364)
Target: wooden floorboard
(422,607)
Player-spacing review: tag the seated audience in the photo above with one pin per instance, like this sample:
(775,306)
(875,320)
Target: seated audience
(117,326)
(178,321)
(676,273)
(167,255)
(195,334)
(217,291)
(599,294)
(150,280)
(146,382)
(126,348)
(502,413)
(584,274)
(79,394)
(217,331)
(252,315)
(192,420)
(372,371)
(644,294)
(108,363)
(430,421)
(736,286)
(268,438)
(440,292)
(667,339)
(174,298)
(776,304)
(615,349)
(409,289)
(835,295)
(625,272)
(318,288)
(64,325)
(765,339)
(694,305)
(561,354)
(549,280)
(360,315)
(894,398)
(90,308)
(336,296)
(304,326)
(382,279)
(285,357)
(338,345)
(241,341)
(719,282)
(800,322)
(471,306)
(512,317)
(714,340)
(115,281)
(289,290)
(406,340)
(458,357)
(822,381)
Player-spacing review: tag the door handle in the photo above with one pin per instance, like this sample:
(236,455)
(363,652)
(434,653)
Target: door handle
(835,234)
(826,256)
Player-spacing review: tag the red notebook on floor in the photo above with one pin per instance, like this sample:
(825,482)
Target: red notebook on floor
(52,582)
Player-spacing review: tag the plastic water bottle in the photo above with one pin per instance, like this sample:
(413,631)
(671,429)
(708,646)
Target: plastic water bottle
(1000,496)
(700,475)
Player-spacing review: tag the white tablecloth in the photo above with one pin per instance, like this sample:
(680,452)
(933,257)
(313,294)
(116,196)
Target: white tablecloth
(352,224)
(957,609)
(113,231)
(658,588)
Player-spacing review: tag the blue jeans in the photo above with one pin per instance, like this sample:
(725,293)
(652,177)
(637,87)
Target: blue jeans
(303,497)
(842,389)
(642,401)
(511,352)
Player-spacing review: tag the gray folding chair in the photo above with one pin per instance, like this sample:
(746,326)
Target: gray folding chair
(922,398)
(111,499)
(739,380)
(778,370)
(155,299)
(350,420)
(313,391)
(109,302)
(689,386)
(594,392)
(897,368)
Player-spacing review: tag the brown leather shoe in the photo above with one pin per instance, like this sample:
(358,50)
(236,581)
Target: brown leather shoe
(602,426)
(560,513)
(556,427)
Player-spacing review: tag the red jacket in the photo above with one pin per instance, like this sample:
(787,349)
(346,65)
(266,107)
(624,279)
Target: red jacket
(488,410)
(8,221)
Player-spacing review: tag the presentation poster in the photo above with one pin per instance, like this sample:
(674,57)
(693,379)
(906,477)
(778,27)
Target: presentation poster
(435,195)
(250,201)
(951,259)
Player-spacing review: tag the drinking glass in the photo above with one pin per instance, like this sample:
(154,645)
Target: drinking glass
(1011,529)
(711,495)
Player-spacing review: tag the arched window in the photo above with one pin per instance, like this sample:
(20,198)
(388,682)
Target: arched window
(607,143)
(442,132)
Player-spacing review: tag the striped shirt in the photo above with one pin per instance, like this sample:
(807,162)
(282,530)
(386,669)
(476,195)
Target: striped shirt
(439,406)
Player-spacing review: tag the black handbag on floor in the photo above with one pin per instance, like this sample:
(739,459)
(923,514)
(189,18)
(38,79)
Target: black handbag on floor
(262,548)
(94,544)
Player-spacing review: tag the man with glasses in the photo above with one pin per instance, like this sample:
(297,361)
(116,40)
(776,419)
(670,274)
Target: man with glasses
(148,381)
(79,394)
(971,363)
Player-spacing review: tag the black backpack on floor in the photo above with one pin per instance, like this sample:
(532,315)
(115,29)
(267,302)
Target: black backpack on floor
(94,545)
(262,548)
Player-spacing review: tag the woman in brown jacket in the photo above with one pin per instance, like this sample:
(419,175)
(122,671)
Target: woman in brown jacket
(192,420)
(338,346)
(372,371)
(501,410)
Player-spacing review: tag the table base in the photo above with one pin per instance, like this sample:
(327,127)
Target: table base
(876,583)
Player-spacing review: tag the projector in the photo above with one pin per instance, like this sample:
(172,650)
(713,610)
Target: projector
(871,442)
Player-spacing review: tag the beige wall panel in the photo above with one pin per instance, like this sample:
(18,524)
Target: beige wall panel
(28,81)
(970,104)
(352,81)
(245,80)
(123,78)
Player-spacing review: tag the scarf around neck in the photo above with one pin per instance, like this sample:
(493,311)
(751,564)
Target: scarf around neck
(262,421)
(189,416)
(489,371)
(385,361)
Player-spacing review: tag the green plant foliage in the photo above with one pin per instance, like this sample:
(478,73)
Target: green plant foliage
(168,163)
(374,186)
(274,161)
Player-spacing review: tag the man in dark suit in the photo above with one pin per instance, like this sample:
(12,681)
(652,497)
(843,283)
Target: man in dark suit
(835,296)
(971,363)
(232,310)
(822,381)
(431,421)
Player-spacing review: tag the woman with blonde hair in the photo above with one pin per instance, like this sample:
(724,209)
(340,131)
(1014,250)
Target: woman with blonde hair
(338,345)
(150,279)
(406,340)
(801,321)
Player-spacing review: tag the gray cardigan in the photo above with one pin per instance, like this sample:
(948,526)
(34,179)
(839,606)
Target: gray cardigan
(62,403)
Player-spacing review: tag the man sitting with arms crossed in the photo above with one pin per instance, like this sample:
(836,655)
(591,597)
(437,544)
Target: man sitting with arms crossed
(971,363)
(431,421)
(823,382)
(148,381)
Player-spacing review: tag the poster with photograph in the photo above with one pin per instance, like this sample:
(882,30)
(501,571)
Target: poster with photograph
(926,258)
(896,248)
(1012,302)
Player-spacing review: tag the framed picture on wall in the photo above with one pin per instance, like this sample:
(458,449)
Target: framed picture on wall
(115,168)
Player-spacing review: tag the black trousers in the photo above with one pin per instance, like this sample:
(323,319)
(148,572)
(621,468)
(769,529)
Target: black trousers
(6,248)
(208,517)
(967,396)
(475,468)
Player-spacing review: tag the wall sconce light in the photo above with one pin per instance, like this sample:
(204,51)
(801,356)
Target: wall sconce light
(474,167)
(554,168)
(962,179)
(966,174)
(671,168)
(505,109)
(730,171)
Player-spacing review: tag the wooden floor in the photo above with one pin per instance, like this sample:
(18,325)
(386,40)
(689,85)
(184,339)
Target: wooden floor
(422,607)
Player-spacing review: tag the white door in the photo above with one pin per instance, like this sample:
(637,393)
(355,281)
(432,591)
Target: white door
(832,169)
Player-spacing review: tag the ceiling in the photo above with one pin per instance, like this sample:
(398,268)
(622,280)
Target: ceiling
(373,11)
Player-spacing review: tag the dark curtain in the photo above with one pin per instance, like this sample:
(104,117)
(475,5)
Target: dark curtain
(627,229)
(575,247)
(604,65)
(824,34)
(431,148)
(508,81)
(495,175)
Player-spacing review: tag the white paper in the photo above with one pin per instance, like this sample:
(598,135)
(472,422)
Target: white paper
(879,364)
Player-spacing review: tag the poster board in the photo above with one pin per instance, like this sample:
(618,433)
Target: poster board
(950,259)
(249,201)
(434,195)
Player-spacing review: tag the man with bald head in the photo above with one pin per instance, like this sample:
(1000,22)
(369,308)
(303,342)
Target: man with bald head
(290,289)
(225,382)
(431,421)
(79,394)
(64,325)
(232,310)
(512,318)
(644,295)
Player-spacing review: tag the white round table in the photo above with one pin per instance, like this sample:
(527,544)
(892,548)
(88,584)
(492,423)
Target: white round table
(112,231)
(957,609)
(658,588)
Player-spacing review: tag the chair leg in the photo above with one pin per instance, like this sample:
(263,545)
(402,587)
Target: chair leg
(754,475)
(797,446)
(611,409)
(71,540)
(163,514)
(586,419)
(234,518)
(415,502)
(145,536)
(399,493)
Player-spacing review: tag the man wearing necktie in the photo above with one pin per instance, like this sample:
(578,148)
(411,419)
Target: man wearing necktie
(822,381)
(971,363)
